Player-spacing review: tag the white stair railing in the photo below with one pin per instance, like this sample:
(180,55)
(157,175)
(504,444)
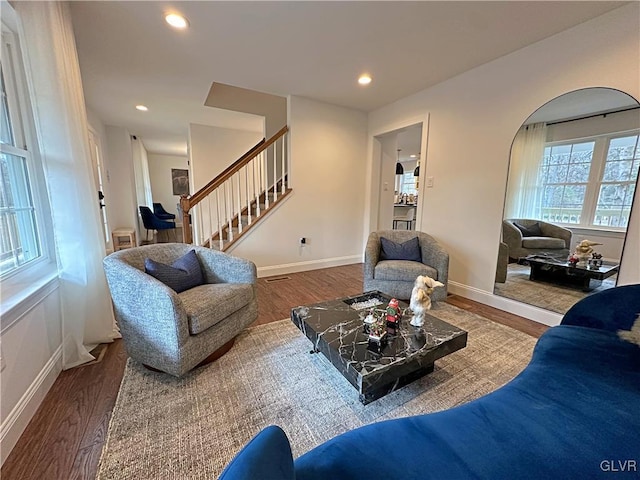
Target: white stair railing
(231,203)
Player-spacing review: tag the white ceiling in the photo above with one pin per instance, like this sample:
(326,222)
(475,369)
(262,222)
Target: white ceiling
(128,55)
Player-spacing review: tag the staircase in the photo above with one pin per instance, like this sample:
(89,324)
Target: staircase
(230,205)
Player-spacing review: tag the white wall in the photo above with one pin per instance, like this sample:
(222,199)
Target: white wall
(473,119)
(160,174)
(32,359)
(328,147)
(122,204)
(213,149)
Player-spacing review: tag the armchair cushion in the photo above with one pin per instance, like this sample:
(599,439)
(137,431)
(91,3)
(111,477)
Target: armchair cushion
(543,242)
(530,231)
(209,304)
(181,275)
(409,250)
(401,270)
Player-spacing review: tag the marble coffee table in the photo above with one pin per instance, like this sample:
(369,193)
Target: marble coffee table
(337,330)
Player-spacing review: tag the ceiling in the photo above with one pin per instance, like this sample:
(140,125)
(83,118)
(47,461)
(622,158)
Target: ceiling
(129,56)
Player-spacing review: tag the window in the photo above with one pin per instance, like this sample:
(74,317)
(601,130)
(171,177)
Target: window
(19,231)
(409,183)
(590,182)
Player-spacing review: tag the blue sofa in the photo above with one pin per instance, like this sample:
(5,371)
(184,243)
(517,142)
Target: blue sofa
(574,412)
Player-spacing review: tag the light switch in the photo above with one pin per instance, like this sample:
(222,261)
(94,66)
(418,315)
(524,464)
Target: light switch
(429,182)
(385,187)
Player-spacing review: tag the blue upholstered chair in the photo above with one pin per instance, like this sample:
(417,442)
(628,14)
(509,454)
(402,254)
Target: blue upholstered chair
(161,213)
(152,222)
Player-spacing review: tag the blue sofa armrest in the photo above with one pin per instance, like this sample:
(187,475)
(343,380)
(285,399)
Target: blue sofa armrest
(612,310)
(267,457)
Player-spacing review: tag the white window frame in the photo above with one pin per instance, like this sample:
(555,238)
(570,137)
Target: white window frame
(595,180)
(27,279)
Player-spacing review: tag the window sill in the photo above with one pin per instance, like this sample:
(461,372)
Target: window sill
(21,293)
(603,232)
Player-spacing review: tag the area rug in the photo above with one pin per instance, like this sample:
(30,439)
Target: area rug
(190,428)
(549,296)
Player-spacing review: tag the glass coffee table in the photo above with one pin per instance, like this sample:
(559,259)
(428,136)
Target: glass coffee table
(405,353)
(556,269)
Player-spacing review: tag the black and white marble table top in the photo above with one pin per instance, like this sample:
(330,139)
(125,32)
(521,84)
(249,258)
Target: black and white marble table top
(406,353)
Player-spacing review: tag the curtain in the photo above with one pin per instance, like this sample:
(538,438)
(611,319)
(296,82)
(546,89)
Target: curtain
(61,124)
(524,191)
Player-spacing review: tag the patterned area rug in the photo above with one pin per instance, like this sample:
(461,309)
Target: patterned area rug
(190,428)
(542,294)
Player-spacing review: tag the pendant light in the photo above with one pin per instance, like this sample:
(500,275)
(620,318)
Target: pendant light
(399,168)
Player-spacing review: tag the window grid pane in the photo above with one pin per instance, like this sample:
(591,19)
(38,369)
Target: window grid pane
(6,133)
(564,176)
(18,230)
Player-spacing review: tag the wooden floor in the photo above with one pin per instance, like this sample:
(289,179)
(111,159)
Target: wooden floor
(65,438)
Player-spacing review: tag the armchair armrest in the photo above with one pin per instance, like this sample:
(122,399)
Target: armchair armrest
(221,267)
(437,257)
(167,320)
(511,235)
(371,256)
(556,231)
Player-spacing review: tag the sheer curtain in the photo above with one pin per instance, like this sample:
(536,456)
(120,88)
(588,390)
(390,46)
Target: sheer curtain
(524,193)
(54,76)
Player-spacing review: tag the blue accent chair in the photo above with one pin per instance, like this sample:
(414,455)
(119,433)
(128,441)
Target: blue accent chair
(574,412)
(152,222)
(161,213)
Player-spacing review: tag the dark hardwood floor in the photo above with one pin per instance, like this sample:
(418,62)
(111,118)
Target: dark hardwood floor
(65,438)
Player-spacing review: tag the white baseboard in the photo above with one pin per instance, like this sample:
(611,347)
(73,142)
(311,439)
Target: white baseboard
(536,314)
(18,419)
(308,265)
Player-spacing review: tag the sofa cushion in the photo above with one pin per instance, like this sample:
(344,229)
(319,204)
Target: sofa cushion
(533,230)
(402,270)
(209,304)
(181,275)
(409,250)
(543,242)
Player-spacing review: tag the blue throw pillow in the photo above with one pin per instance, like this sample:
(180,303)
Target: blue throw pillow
(181,275)
(409,250)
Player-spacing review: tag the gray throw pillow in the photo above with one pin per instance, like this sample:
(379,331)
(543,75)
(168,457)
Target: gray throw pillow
(530,231)
(181,275)
(409,250)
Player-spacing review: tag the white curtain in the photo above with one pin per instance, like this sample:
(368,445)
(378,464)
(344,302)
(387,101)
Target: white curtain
(61,123)
(524,191)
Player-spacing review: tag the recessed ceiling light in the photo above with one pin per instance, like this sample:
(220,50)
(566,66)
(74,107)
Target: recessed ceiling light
(176,20)
(412,156)
(365,79)
(142,108)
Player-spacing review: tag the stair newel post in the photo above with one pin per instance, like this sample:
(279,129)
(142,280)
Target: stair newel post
(265,189)
(219,218)
(187,234)
(238,175)
(248,197)
(275,171)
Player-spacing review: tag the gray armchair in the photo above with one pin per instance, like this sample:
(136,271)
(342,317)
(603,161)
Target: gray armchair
(396,277)
(554,238)
(175,332)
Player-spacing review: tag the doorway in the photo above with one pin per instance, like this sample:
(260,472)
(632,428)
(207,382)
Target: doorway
(399,152)
(98,179)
